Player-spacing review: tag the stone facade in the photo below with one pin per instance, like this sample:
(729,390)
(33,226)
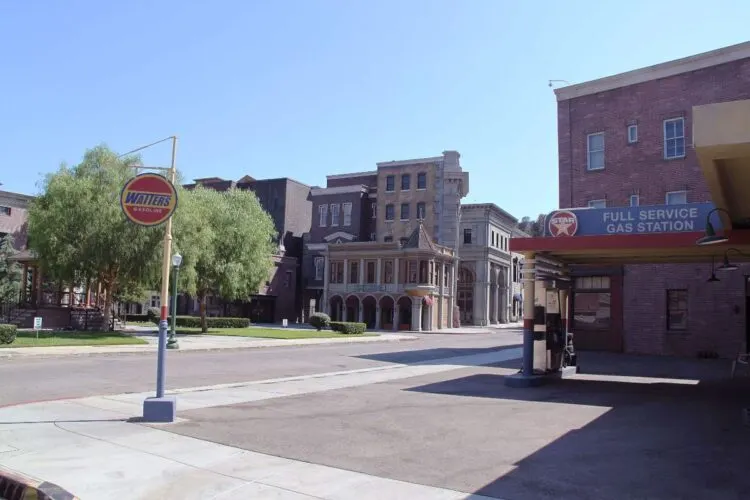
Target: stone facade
(637,170)
(485,291)
(13,216)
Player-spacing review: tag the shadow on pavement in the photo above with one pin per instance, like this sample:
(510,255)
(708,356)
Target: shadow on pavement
(618,439)
(436,355)
(66,421)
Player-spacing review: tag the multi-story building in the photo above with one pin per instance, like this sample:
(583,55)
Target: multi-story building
(485,294)
(409,206)
(625,140)
(287,201)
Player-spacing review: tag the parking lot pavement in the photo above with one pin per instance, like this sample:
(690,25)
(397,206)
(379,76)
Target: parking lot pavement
(603,434)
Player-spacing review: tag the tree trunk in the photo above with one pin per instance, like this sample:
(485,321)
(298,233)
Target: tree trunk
(202,303)
(107,313)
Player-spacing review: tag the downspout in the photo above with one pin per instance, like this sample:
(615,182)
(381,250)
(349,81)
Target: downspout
(570,157)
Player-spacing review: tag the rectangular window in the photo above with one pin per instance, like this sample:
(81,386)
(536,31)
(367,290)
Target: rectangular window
(4,210)
(598,204)
(373,237)
(347,214)
(388,271)
(354,272)
(420,210)
(467,236)
(674,138)
(677,310)
(422,180)
(387,239)
(404,211)
(676,198)
(405,182)
(155,301)
(337,272)
(591,303)
(635,200)
(390,183)
(632,134)
(370,265)
(390,212)
(446,272)
(374,209)
(320,264)
(323,215)
(412,271)
(595,149)
(287,279)
(335,214)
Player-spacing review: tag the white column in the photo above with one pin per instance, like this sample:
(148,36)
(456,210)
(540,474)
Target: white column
(326,281)
(379,270)
(486,296)
(377,316)
(346,274)
(361,271)
(361,312)
(440,295)
(395,317)
(416,314)
(395,272)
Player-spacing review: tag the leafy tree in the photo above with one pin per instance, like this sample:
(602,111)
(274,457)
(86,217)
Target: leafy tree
(533,228)
(226,240)
(10,271)
(79,233)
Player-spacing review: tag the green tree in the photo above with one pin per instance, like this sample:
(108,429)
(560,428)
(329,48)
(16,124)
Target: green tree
(10,271)
(533,228)
(79,233)
(226,240)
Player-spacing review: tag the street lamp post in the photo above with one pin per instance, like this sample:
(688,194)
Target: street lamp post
(176,262)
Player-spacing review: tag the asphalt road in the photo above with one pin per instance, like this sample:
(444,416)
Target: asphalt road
(28,380)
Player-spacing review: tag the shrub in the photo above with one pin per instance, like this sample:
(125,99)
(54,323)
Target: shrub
(320,320)
(195,322)
(153,314)
(7,334)
(141,318)
(348,328)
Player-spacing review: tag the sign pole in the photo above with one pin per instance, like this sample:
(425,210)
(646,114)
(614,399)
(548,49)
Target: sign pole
(163,408)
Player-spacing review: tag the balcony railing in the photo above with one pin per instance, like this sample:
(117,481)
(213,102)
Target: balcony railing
(382,288)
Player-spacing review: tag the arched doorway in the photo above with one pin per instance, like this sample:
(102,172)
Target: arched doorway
(336,308)
(386,312)
(369,313)
(465,288)
(352,308)
(404,312)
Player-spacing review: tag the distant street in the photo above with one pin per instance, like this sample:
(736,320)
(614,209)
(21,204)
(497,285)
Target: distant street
(78,376)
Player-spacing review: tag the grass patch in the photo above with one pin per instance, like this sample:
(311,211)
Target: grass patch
(270,333)
(63,338)
(142,323)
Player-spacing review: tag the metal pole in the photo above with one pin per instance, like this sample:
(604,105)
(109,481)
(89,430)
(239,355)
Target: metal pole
(172,342)
(166,263)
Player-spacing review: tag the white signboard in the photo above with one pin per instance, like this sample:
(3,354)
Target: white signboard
(37,322)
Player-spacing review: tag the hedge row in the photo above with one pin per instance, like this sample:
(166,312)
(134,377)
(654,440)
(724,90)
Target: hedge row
(140,318)
(320,320)
(7,334)
(348,328)
(195,322)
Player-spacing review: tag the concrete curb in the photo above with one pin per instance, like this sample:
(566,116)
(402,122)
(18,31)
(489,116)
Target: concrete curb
(17,486)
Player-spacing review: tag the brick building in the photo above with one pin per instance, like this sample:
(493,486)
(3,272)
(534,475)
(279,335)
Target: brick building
(626,140)
(287,202)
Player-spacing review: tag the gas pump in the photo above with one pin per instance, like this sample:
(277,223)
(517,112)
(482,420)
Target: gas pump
(552,344)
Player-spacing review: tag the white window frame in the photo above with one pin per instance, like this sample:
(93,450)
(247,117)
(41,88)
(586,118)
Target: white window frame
(401,211)
(632,138)
(589,152)
(335,214)
(386,212)
(635,198)
(386,183)
(682,192)
(347,207)
(680,119)
(320,264)
(374,208)
(594,203)
(425,181)
(323,215)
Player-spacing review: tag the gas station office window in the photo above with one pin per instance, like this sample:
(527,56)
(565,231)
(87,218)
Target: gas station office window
(677,310)
(591,303)
(592,283)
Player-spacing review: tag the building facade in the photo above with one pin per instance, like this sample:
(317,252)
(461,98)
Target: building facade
(625,140)
(375,215)
(485,293)
(287,202)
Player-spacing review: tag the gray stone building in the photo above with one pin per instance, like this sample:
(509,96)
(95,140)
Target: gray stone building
(488,287)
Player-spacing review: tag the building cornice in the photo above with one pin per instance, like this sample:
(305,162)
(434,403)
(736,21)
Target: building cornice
(353,174)
(416,161)
(656,72)
(319,191)
(25,198)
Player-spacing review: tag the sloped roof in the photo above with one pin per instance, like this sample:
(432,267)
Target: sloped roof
(420,240)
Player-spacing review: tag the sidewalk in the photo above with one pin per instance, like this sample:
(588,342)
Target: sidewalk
(195,343)
(93,447)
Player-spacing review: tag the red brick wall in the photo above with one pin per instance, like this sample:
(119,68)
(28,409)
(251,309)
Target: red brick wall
(716,310)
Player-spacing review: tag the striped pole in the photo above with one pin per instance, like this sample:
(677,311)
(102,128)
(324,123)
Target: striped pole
(528,279)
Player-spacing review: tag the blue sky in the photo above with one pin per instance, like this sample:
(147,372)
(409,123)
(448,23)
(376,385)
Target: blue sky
(306,88)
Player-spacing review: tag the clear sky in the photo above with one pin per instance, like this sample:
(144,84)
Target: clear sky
(306,88)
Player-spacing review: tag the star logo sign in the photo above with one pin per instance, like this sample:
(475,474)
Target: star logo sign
(563,223)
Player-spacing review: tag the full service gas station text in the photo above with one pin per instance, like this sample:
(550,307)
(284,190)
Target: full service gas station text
(657,220)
